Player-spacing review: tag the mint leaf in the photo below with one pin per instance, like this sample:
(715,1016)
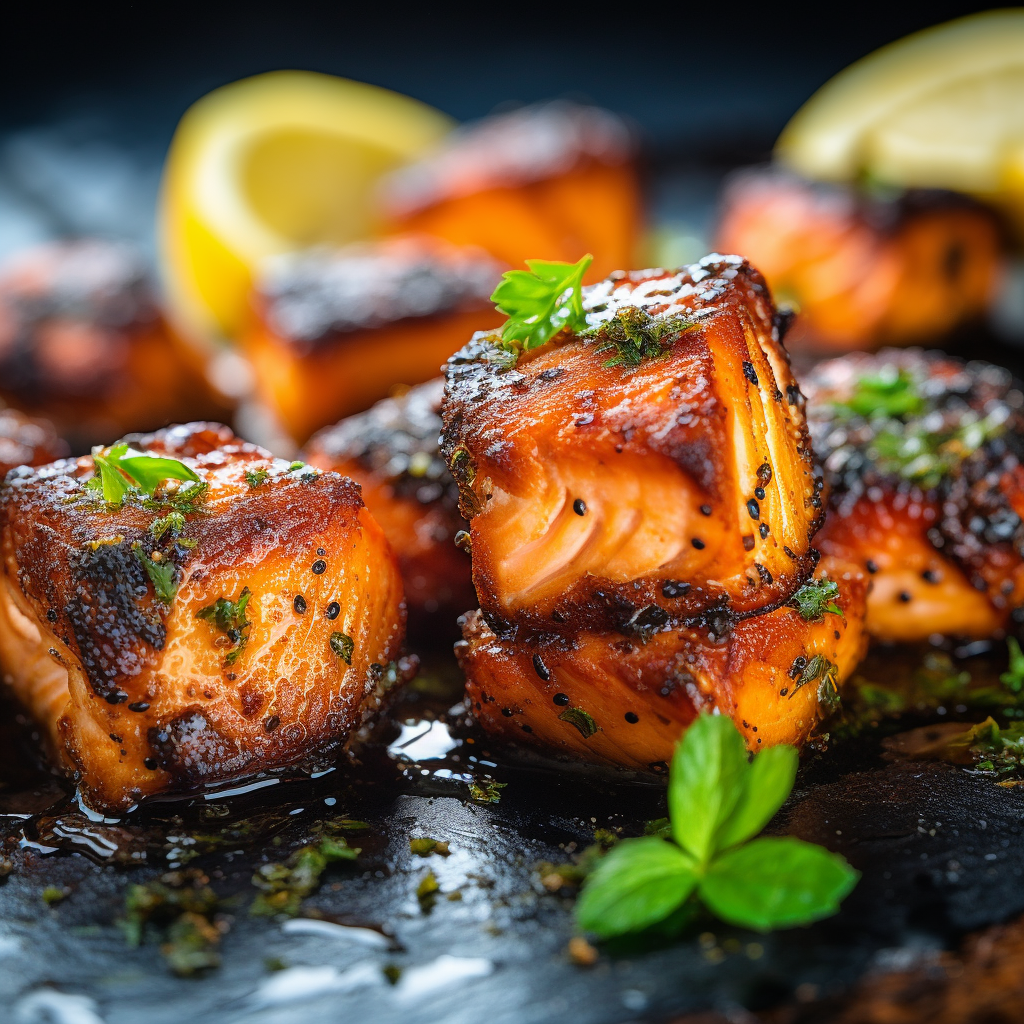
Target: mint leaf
(769,781)
(707,779)
(148,472)
(112,482)
(638,883)
(541,302)
(776,883)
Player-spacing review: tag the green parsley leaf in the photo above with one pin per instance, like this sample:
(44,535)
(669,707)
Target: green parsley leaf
(815,598)
(229,617)
(769,780)
(255,477)
(707,779)
(173,521)
(776,883)
(161,574)
(1013,677)
(541,302)
(118,472)
(635,885)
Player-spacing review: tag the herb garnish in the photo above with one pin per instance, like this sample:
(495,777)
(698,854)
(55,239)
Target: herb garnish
(285,886)
(815,598)
(718,801)
(891,392)
(581,719)
(229,617)
(343,645)
(825,673)
(540,302)
(255,477)
(161,574)
(118,472)
(635,335)
(1013,677)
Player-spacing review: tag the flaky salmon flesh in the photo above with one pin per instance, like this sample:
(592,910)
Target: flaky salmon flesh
(614,700)
(607,492)
(923,455)
(208,632)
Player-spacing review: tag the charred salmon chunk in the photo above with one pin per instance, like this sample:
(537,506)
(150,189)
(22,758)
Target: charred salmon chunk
(923,455)
(642,472)
(622,701)
(865,270)
(336,330)
(554,178)
(83,343)
(391,452)
(25,441)
(182,609)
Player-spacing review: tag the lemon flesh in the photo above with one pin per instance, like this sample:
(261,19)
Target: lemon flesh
(940,108)
(271,164)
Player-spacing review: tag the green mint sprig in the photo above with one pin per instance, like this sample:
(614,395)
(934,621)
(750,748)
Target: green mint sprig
(540,302)
(119,470)
(718,801)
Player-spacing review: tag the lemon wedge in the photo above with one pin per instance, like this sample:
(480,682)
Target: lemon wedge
(267,165)
(941,108)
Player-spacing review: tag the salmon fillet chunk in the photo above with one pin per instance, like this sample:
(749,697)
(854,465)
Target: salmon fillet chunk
(643,471)
(183,609)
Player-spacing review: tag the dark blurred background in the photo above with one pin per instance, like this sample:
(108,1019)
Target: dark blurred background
(91,93)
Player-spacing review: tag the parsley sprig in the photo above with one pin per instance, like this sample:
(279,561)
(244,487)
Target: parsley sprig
(540,302)
(120,470)
(718,801)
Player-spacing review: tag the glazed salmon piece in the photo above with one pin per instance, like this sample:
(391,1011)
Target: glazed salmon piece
(609,699)
(211,631)
(391,451)
(864,269)
(334,331)
(923,457)
(605,493)
(554,178)
(27,441)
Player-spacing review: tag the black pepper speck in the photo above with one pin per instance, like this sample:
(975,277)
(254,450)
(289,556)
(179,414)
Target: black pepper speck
(579,506)
(299,604)
(333,610)
(561,699)
(319,567)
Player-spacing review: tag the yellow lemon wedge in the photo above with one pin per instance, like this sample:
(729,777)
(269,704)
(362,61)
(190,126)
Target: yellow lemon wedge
(267,165)
(942,108)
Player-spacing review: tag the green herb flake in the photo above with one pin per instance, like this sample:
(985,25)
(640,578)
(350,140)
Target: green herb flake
(173,523)
(890,393)
(486,791)
(426,846)
(541,302)
(635,336)
(343,646)
(284,886)
(816,598)
(255,477)
(53,894)
(1013,677)
(825,673)
(718,802)
(392,973)
(581,720)
(229,617)
(161,574)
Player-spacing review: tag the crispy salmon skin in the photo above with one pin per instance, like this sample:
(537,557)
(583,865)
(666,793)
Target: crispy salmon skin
(210,630)
(643,471)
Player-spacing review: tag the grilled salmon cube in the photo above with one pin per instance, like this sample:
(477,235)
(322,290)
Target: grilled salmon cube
(391,451)
(227,614)
(336,330)
(924,459)
(25,441)
(83,344)
(554,180)
(609,699)
(610,488)
(865,270)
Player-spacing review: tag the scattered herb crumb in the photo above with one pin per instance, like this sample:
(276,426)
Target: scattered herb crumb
(427,890)
(284,886)
(581,719)
(392,973)
(343,646)
(255,477)
(426,846)
(815,598)
(53,894)
(486,791)
(229,617)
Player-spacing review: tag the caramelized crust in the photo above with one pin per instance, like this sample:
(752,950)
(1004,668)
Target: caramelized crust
(864,270)
(391,451)
(335,331)
(83,343)
(27,442)
(929,502)
(611,700)
(138,696)
(619,497)
(552,180)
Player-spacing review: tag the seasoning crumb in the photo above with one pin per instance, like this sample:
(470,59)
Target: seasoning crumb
(581,952)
